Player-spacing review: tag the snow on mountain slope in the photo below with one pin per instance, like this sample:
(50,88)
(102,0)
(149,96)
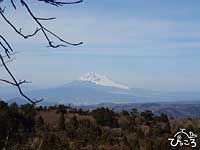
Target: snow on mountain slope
(101,80)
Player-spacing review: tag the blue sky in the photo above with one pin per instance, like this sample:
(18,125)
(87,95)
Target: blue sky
(144,44)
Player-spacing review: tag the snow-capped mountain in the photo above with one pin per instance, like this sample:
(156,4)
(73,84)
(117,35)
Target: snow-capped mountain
(101,80)
(93,88)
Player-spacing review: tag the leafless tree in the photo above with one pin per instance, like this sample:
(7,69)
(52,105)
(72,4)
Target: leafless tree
(7,52)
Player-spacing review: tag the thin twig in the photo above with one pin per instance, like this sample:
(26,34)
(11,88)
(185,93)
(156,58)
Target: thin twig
(6,43)
(52,18)
(13,4)
(8,61)
(58,3)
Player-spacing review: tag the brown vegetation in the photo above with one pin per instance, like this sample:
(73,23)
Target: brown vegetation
(62,128)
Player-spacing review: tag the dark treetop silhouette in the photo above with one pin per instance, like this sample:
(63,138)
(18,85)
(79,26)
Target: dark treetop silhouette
(7,51)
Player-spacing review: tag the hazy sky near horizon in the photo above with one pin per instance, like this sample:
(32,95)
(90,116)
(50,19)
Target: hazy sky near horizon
(144,44)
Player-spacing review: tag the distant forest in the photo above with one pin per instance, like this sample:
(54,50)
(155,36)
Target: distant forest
(64,128)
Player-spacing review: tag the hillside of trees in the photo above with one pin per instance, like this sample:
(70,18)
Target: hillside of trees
(65,128)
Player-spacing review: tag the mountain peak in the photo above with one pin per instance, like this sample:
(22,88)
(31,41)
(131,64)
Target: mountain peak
(101,80)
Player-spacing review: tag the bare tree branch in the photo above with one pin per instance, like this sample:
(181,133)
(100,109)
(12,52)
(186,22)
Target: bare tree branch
(14,83)
(46,32)
(16,30)
(17,84)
